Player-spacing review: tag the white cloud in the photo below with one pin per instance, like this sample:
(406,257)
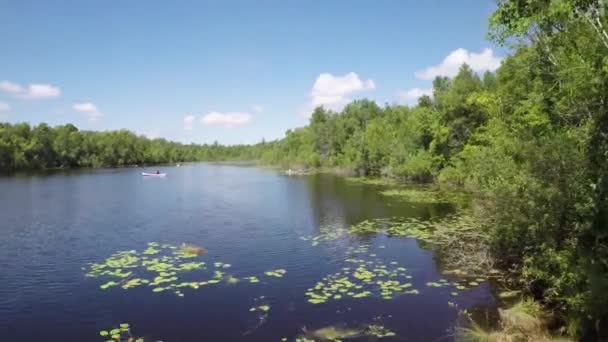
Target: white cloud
(31,92)
(10,87)
(189,122)
(411,95)
(90,110)
(479,62)
(228,120)
(257,108)
(4,107)
(335,91)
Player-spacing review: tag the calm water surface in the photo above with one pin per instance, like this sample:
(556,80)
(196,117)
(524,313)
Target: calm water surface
(51,226)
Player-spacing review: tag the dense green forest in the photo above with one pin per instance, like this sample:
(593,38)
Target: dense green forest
(531,139)
(42,147)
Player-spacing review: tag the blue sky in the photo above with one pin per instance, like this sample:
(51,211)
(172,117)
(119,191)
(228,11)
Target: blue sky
(231,71)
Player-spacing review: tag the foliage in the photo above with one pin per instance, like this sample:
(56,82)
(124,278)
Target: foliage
(42,147)
(531,138)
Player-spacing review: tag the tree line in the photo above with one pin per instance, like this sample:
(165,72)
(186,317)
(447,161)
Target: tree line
(41,147)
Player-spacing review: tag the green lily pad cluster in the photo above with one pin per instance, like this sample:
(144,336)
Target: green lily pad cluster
(401,227)
(262,308)
(326,233)
(122,333)
(411,227)
(372,181)
(159,267)
(278,273)
(379,331)
(358,250)
(457,285)
(252,279)
(425,195)
(363,279)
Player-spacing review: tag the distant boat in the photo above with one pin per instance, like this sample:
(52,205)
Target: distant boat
(178,165)
(145,174)
(296,172)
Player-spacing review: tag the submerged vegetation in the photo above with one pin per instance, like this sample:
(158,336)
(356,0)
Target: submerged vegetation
(337,333)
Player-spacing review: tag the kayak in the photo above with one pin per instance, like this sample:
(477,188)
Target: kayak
(153,174)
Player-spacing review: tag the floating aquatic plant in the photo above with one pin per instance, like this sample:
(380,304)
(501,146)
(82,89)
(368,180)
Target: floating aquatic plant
(424,195)
(263,308)
(371,181)
(122,333)
(378,331)
(326,233)
(159,267)
(456,286)
(367,278)
(457,240)
(278,273)
(252,279)
(232,280)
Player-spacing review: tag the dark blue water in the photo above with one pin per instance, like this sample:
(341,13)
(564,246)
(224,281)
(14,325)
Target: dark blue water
(52,225)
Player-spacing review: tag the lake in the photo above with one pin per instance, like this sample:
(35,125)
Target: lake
(250,220)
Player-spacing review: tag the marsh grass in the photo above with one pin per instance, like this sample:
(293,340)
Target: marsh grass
(523,322)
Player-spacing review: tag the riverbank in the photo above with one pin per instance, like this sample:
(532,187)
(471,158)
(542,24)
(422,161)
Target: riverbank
(463,248)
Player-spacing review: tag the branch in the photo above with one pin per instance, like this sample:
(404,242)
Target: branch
(594,20)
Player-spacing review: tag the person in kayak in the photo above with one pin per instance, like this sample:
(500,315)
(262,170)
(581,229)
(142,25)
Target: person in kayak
(157,172)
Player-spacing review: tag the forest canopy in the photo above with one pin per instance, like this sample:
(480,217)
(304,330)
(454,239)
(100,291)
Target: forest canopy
(43,147)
